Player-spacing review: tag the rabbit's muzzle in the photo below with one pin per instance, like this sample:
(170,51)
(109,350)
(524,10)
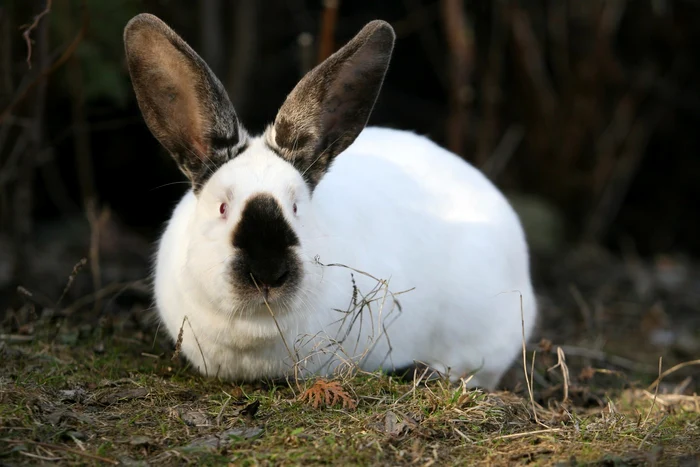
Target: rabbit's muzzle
(265,264)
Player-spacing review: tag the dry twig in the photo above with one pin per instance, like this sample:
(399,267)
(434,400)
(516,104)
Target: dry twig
(326,44)
(48,70)
(31,27)
(76,270)
(461,43)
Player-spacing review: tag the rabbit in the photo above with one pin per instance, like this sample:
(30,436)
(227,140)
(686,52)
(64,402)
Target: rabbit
(324,244)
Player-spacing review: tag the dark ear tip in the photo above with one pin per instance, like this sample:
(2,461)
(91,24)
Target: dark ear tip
(381,31)
(382,27)
(143,21)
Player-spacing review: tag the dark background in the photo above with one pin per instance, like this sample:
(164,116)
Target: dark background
(586,113)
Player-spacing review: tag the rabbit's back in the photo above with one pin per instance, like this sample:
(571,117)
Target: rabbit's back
(408,197)
(399,207)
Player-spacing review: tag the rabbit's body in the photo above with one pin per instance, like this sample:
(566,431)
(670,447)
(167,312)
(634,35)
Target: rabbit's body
(318,243)
(441,229)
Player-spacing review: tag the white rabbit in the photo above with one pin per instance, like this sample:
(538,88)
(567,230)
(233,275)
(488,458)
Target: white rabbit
(269,261)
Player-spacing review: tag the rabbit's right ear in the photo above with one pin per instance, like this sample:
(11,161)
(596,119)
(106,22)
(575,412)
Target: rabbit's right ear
(183,103)
(330,106)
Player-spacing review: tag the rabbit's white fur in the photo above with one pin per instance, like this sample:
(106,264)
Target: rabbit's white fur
(373,246)
(394,205)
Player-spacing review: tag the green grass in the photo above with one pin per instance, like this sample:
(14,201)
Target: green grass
(73,405)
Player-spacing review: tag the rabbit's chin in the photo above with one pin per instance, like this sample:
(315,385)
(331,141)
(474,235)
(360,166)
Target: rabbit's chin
(257,299)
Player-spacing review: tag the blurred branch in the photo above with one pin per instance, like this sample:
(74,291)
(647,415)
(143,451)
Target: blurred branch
(610,140)
(48,69)
(418,19)
(558,28)
(245,41)
(212,34)
(83,156)
(608,26)
(612,179)
(141,285)
(532,60)
(9,170)
(23,193)
(306,53)
(326,45)
(461,47)
(496,164)
(618,185)
(97,219)
(31,27)
(491,91)
(81,132)
(6,56)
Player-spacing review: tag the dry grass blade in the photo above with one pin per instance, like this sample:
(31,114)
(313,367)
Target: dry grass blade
(528,433)
(201,352)
(178,342)
(76,269)
(528,381)
(673,369)
(656,393)
(62,448)
(653,430)
(561,363)
(279,330)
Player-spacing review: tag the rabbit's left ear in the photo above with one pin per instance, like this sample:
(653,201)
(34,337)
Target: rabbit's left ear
(184,104)
(330,106)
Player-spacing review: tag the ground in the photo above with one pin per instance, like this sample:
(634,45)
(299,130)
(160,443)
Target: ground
(112,401)
(81,386)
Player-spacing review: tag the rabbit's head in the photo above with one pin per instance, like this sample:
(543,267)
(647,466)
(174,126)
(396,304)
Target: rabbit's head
(248,237)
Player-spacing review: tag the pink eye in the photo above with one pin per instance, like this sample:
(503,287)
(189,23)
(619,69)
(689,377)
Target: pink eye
(295,208)
(223,209)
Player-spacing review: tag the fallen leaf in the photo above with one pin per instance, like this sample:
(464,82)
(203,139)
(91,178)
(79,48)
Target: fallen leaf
(586,373)
(71,395)
(392,425)
(545,345)
(251,409)
(329,393)
(58,416)
(195,418)
(140,440)
(223,439)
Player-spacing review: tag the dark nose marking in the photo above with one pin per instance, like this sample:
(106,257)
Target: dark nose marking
(264,238)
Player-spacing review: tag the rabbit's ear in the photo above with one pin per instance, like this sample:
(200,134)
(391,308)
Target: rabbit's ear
(330,106)
(183,103)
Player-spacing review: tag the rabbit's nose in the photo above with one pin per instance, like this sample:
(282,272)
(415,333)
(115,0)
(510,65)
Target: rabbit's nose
(269,275)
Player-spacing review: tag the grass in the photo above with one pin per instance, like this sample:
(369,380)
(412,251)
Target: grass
(104,390)
(109,399)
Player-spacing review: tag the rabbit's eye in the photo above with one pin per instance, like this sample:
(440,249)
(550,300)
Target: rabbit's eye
(223,209)
(294,207)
